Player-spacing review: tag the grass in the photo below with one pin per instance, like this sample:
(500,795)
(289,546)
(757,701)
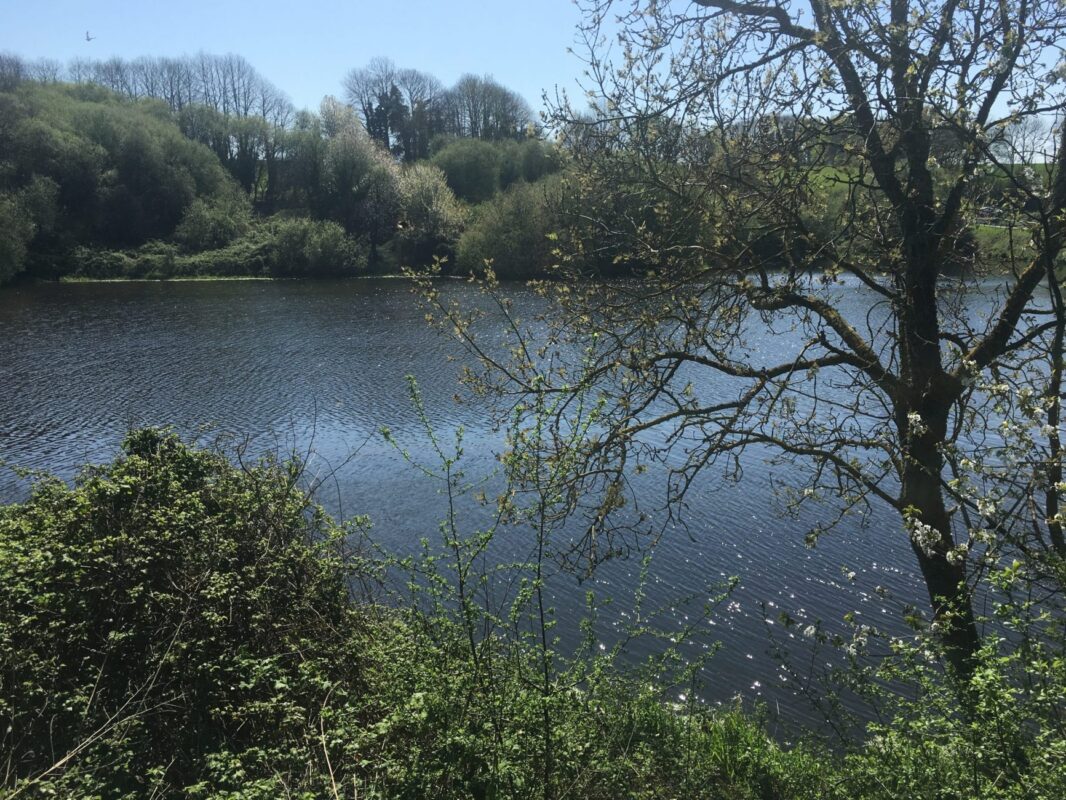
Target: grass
(1004,250)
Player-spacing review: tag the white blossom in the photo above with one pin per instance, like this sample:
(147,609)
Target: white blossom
(915,424)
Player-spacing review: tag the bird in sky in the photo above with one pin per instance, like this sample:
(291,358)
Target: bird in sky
(88,38)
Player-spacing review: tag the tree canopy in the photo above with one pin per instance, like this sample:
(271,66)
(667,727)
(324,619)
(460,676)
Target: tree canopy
(167,166)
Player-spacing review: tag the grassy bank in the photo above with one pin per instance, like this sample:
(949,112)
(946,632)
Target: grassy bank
(273,248)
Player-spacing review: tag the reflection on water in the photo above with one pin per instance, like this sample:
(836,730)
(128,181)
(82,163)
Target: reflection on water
(321,366)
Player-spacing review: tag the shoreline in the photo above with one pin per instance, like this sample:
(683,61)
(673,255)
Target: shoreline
(70,279)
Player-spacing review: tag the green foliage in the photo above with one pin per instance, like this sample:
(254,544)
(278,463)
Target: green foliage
(210,223)
(476,169)
(431,218)
(278,247)
(175,626)
(25,214)
(481,700)
(514,232)
(16,231)
(98,171)
(97,184)
(92,181)
(304,248)
(361,184)
(152,261)
(471,167)
(528,160)
(1000,735)
(452,727)
(171,622)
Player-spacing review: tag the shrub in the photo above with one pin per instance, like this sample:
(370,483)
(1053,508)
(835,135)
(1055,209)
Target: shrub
(213,222)
(304,248)
(170,620)
(512,232)
(431,217)
(471,167)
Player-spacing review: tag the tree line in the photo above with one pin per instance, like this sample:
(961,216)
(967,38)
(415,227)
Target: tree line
(403,109)
(343,167)
(93,165)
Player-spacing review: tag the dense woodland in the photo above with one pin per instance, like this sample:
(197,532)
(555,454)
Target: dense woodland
(169,167)
(162,167)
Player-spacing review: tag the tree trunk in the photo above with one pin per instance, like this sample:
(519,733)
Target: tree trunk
(929,391)
(945,579)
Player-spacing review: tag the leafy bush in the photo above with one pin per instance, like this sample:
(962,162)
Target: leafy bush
(513,232)
(431,218)
(471,167)
(175,626)
(304,247)
(152,261)
(171,622)
(279,247)
(249,255)
(1001,735)
(213,222)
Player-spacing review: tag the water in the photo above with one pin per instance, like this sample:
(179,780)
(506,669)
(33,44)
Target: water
(320,367)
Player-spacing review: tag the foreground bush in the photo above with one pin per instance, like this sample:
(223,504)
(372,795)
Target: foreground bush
(173,626)
(170,622)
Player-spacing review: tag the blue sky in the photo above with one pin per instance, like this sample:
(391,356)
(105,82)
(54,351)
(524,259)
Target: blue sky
(305,48)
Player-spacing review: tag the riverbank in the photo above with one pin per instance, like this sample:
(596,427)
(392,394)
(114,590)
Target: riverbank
(78,279)
(176,279)
(189,648)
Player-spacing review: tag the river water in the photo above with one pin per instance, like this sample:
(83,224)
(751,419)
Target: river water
(319,368)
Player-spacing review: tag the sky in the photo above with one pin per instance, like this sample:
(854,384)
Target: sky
(305,48)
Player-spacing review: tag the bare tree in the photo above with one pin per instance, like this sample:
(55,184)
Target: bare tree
(418,88)
(46,70)
(79,70)
(423,95)
(364,88)
(1026,140)
(114,74)
(480,108)
(12,71)
(175,83)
